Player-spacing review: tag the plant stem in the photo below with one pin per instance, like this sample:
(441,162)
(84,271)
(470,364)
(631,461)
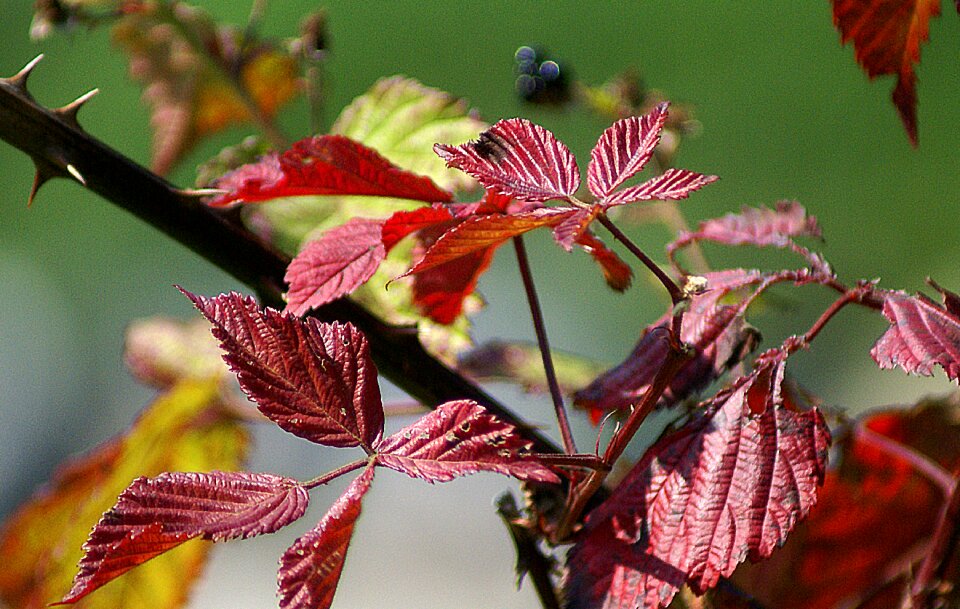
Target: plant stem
(945,540)
(676,294)
(330,476)
(855,294)
(922,464)
(581,494)
(569,446)
(54,143)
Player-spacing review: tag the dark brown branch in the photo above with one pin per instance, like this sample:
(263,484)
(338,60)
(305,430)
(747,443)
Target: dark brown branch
(60,148)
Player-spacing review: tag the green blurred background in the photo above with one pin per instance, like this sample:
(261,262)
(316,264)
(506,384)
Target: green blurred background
(785,113)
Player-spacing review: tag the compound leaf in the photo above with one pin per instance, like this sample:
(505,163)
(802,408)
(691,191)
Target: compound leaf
(314,380)
(517,158)
(334,265)
(460,438)
(886,36)
(728,485)
(623,150)
(921,335)
(155,515)
(325,165)
(310,569)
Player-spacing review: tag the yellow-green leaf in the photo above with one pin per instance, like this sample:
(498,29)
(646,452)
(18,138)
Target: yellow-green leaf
(185,429)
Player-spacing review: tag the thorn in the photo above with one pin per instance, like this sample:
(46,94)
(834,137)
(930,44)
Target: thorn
(19,80)
(72,170)
(201,192)
(69,112)
(43,175)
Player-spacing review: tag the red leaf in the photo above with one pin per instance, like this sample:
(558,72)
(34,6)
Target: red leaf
(758,226)
(717,333)
(334,265)
(310,569)
(874,517)
(481,232)
(403,223)
(922,334)
(517,158)
(439,292)
(460,438)
(673,184)
(623,150)
(569,231)
(157,514)
(314,380)
(616,272)
(886,36)
(730,484)
(325,165)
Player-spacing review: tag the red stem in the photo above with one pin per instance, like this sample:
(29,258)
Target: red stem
(676,294)
(933,568)
(569,446)
(330,476)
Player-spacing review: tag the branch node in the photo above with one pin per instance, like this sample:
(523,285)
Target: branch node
(19,80)
(69,112)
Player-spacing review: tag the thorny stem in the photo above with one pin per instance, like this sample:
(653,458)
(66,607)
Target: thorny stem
(581,494)
(676,294)
(340,471)
(569,446)
(166,12)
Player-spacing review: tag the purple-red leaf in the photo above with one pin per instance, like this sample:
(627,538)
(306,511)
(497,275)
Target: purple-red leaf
(673,184)
(460,438)
(623,150)
(405,222)
(758,226)
(311,567)
(325,165)
(922,334)
(517,158)
(616,272)
(481,232)
(717,333)
(157,514)
(315,380)
(439,292)
(334,265)
(728,485)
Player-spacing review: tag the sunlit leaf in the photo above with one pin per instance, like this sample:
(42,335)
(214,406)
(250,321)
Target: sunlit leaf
(728,485)
(517,158)
(835,560)
(672,185)
(922,334)
(310,569)
(193,96)
(886,36)
(325,165)
(314,380)
(402,119)
(40,544)
(623,150)
(460,438)
(334,265)
(154,515)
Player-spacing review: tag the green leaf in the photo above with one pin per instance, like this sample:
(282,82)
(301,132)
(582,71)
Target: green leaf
(185,429)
